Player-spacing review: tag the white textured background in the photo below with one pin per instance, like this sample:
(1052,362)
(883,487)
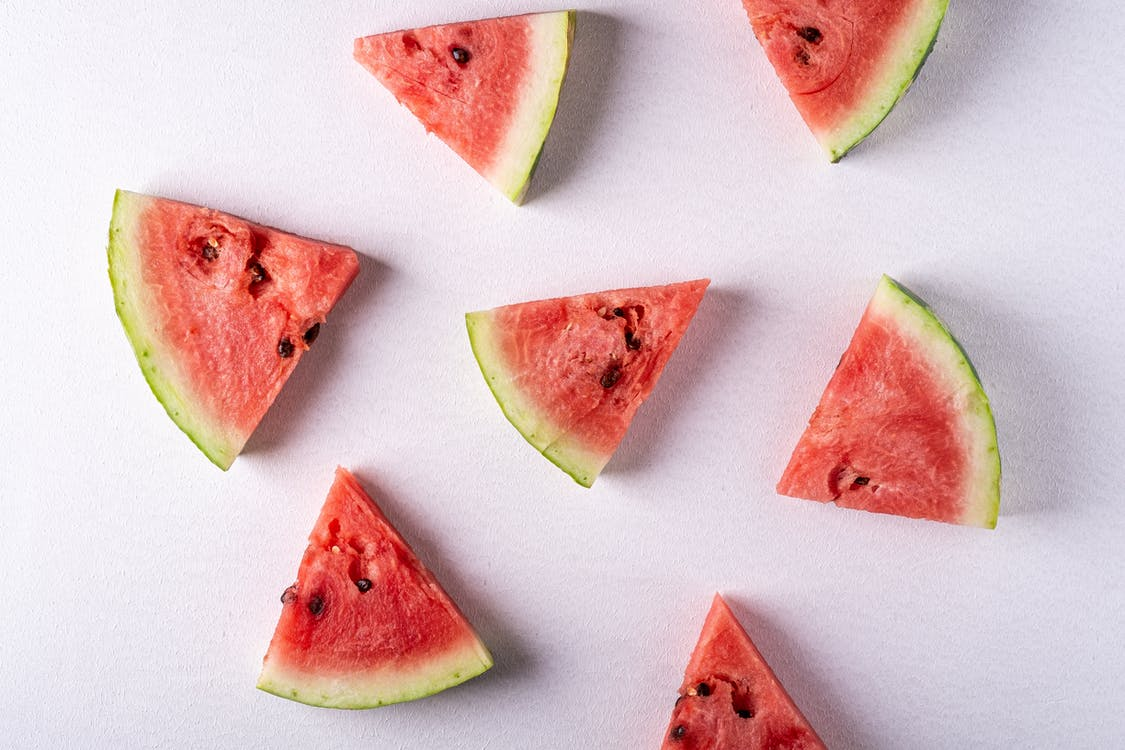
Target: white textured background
(139,585)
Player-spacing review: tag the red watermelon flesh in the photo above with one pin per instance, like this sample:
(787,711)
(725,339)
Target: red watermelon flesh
(845,63)
(219,310)
(904,425)
(488,88)
(730,698)
(571,372)
(366,623)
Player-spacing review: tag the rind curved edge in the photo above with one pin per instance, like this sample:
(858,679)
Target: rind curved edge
(514,181)
(983,508)
(581,466)
(377,690)
(122,260)
(922,36)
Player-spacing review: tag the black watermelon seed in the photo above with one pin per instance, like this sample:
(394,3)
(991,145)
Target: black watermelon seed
(257,273)
(460,55)
(312,333)
(861,481)
(631,341)
(289,594)
(678,732)
(810,34)
(619,312)
(316,605)
(210,249)
(364,585)
(610,377)
(745,713)
(285,348)
(703,689)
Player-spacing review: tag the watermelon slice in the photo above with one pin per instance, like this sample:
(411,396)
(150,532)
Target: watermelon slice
(487,88)
(904,425)
(845,62)
(730,698)
(219,310)
(366,624)
(570,373)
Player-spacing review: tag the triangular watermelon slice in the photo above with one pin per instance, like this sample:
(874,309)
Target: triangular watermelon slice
(904,425)
(219,310)
(730,698)
(488,88)
(366,624)
(845,62)
(570,372)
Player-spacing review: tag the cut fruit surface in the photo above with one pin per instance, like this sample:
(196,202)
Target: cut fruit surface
(570,373)
(219,310)
(366,624)
(845,63)
(904,425)
(730,699)
(488,89)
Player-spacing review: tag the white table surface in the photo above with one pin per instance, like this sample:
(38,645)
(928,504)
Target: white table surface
(140,584)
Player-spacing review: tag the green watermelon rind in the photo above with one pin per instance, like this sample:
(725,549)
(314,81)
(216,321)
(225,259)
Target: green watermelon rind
(157,365)
(913,316)
(382,688)
(906,59)
(518,157)
(581,464)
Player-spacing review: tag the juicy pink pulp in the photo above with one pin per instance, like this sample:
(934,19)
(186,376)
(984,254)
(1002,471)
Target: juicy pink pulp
(588,362)
(469,100)
(827,52)
(730,698)
(887,434)
(330,627)
(230,298)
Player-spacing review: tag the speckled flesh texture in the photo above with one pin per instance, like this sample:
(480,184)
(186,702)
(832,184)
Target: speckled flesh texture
(488,89)
(730,698)
(845,62)
(219,310)
(570,373)
(366,624)
(904,425)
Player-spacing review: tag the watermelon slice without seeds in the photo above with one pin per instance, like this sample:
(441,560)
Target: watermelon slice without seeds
(570,373)
(366,623)
(730,698)
(219,310)
(845,62)
(904,425)
(488,88)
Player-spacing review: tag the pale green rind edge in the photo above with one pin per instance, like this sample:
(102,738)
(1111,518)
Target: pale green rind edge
(581,465)
(983,508)
(360,691)
(919,40)
(519,157)
(153,360)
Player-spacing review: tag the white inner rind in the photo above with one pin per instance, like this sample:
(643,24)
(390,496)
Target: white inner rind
(548,438)
(157,362)
(904,58)
(377,687)
(977,428)
(517,156)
